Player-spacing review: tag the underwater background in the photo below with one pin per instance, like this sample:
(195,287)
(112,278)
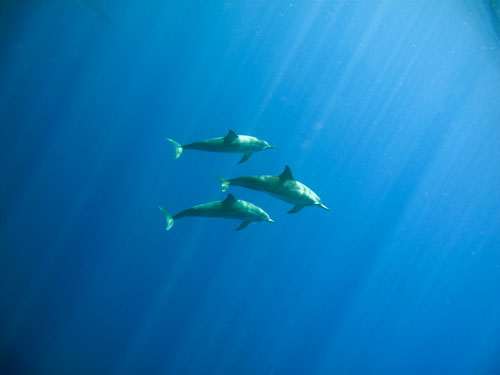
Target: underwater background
(388,110)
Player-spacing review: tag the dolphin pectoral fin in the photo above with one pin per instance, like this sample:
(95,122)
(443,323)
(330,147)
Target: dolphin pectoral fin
(245,157)
(295,209)
(243,225)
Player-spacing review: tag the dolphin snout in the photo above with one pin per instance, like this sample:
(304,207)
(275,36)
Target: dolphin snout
(271,220)
(323,206)
(270,146)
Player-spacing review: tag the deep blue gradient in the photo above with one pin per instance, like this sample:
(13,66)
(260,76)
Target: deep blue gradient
(388,110)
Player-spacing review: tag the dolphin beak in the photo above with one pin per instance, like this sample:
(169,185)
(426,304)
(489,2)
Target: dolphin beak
(271,220)
(323,207)
(271,146)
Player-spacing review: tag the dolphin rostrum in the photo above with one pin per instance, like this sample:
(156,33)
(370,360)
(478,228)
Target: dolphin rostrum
(283,187)
(229,208)
(231,143)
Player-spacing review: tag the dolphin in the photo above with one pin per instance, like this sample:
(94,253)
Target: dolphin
(231,143)
(229,208)
(283,187)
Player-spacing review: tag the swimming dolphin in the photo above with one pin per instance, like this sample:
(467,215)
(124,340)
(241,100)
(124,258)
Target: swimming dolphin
(283,187)
(229,208)
(232,142)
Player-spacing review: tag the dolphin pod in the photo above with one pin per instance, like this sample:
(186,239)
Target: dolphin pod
(283,186)
(231,143)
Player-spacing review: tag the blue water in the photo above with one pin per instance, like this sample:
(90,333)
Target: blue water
(388,110)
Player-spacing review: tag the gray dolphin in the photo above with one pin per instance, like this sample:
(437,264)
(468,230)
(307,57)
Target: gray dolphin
(229,208)
(283,187)
(231,143)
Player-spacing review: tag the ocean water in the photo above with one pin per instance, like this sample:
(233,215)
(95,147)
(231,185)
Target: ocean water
(388,110)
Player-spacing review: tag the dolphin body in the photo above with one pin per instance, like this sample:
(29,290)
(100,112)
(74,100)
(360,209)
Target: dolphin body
(229,208)
(231,143)
(283,187)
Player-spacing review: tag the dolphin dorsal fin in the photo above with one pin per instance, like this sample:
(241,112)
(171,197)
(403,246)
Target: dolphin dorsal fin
(286,174)
(230,136)
(229,199)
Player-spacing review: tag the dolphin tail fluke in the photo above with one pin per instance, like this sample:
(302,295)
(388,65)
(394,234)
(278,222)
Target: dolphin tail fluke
(177,148)
(224,183)
(170,219)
